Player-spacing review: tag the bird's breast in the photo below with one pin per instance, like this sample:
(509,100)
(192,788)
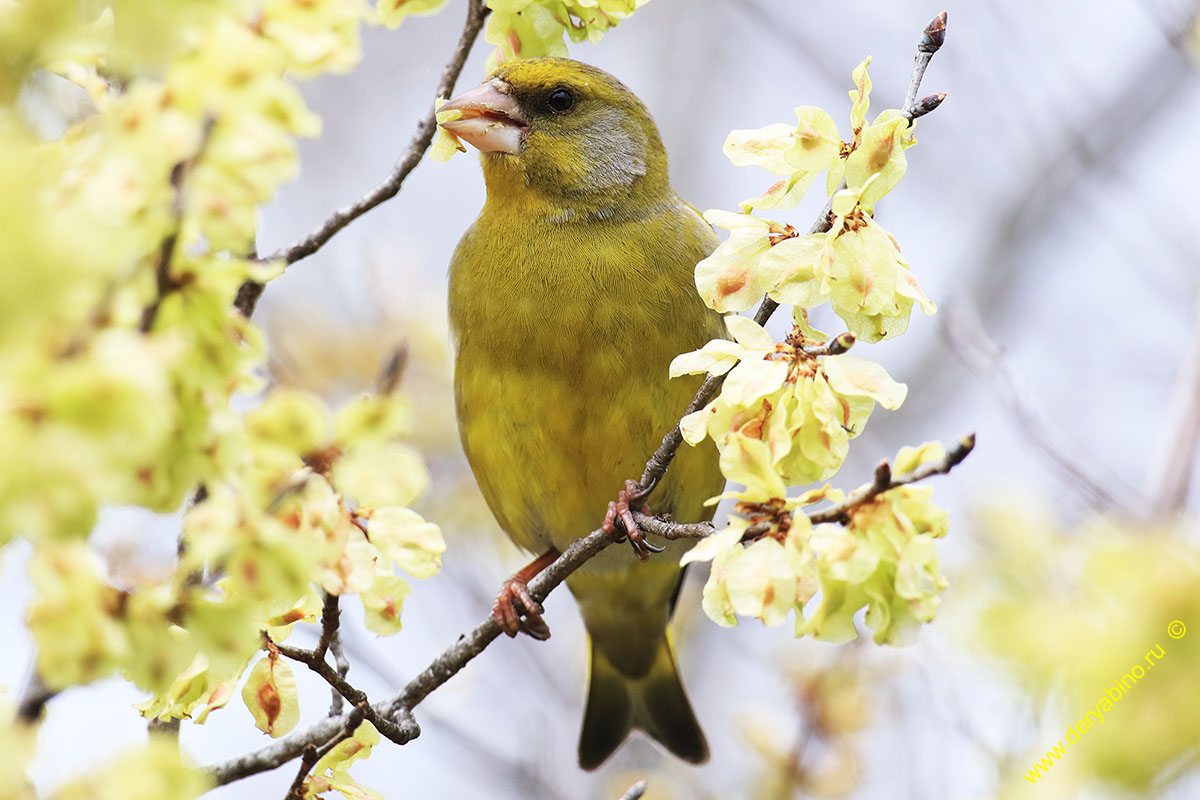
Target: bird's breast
(564,337)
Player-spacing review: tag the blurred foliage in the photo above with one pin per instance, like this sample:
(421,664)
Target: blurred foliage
(155,772)
(1102,623)
(815,750)
(403,324)
(124,361)
(527,28)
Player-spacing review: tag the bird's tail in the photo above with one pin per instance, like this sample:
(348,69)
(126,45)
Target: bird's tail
(654,703)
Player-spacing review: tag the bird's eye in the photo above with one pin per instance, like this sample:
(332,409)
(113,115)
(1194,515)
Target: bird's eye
(561,99)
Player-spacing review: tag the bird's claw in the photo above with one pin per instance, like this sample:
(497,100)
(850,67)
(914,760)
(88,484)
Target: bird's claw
(510,619)
(619,511)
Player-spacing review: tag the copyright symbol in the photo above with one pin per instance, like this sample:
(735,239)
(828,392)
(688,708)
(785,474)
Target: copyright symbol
(1176,630)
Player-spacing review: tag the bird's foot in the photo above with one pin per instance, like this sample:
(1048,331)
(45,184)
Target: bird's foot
(619,522)
(512,621)
(528,618)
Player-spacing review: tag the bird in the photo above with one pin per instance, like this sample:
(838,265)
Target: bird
(568,297)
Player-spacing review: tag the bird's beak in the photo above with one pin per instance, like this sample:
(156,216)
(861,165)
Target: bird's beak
(490,118)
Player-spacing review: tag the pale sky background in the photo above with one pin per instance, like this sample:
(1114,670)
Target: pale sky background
(1051,194)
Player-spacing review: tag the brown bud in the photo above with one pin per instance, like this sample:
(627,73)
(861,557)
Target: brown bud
(935,34)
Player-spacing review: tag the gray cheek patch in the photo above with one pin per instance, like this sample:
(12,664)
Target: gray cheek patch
(617,158)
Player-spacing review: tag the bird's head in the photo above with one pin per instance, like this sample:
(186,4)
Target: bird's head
(568,131)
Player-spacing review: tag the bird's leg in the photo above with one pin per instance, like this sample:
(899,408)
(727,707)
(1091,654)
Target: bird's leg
(618,511)
(516,588)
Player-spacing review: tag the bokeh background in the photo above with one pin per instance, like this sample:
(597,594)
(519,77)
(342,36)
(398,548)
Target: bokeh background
(1049,210)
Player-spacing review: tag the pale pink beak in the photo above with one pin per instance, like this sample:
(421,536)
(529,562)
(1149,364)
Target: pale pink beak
(491,119)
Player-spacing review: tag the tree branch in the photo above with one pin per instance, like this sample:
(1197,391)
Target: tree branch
(307,762)
(331,618)
(964,333)
(444,667)
(250,291)
(330,641)
(280,752)
(635,792)
(884,481)
(164,282)
(459,654)
(931,41)
(1171,474)
(313,754)
(34,698)
(343,667)
(834,347)
(402,730)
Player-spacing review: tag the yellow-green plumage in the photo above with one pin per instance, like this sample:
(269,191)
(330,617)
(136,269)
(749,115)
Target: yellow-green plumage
(569,297)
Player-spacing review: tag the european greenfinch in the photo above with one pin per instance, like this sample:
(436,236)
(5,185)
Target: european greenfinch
(569,297)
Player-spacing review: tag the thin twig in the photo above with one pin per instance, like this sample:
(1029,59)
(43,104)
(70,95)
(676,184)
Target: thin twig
(656,467)
(165,283)
(963,331)
(468,646)
(331,617)
(352,721)
(343,667)
(1171,475)
(307,762)
(392,370)
(313,754)
(666,528)
(834,347)
(278,753)
(34,698)
(886,481)
(401,731)
(480,748)
(932,40)
(883,481)
(250,291)
(635,792)
(164,727)
(444,667)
